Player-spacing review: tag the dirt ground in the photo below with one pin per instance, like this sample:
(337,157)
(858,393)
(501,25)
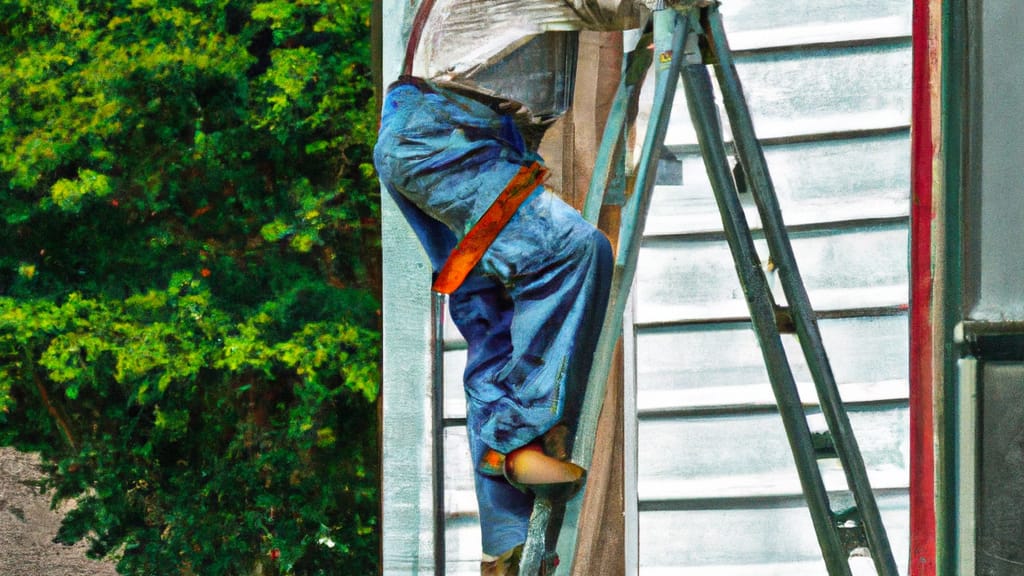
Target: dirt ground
(28,526)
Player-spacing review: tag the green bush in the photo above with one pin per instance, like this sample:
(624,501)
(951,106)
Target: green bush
(189,278)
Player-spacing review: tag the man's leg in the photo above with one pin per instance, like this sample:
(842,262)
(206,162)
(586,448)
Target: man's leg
(531,315)
(482,309)
(557,269)
(450,160)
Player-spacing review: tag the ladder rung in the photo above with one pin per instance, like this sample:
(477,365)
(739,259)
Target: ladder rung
(784,320)
(851,529)
(824,445)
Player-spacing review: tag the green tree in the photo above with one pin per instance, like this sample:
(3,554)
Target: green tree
(189,278)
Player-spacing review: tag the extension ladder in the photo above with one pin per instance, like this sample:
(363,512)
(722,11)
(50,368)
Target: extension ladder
(687,39)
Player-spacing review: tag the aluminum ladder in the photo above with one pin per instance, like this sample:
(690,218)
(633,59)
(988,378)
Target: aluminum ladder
(687,39)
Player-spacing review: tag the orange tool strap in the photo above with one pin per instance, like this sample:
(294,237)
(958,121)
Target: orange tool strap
(473,245)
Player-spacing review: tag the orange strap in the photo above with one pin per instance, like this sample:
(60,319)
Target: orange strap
(473,245)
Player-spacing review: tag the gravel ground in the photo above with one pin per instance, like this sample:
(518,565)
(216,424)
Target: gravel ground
(28,526)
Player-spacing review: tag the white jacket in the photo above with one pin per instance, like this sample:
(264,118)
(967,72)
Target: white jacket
(461,37)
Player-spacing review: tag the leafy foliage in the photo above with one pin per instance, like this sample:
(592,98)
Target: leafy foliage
(189,278)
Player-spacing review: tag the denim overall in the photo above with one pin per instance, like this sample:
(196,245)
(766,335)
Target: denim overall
(531,310)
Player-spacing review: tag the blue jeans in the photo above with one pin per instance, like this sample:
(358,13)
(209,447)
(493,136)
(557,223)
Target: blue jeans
(531,311)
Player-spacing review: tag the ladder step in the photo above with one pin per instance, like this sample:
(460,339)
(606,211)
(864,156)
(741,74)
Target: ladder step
(824,445)
(784,320)
(851,529)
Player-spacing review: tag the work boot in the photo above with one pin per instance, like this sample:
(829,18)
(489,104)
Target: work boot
(541,467)
(531,470)
(505,565)
(553,443)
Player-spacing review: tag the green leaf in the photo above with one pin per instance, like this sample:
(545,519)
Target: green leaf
(69,194)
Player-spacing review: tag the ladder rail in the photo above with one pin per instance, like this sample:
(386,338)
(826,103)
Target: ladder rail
(838,421)
(703,112)
(670,39)
(437,302)
(608,178)
(631,233)
(612,143)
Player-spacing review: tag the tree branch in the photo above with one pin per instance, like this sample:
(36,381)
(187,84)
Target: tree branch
(58,418)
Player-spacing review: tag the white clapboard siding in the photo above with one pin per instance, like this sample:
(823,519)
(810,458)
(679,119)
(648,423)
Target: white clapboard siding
(814,91)
(690,543)
(815,181)
(759,24)
(686,459)
(696,279)
(828,82)
(706,366)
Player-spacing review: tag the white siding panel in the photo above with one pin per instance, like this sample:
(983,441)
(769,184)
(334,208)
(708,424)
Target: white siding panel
(687,279)
(746,542)
(814,91)
(817,181)
(460,498)
(454,397)
(721,365)
(742,456)
(756,23)
(462,538)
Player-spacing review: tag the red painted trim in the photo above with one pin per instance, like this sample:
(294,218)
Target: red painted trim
(922,446)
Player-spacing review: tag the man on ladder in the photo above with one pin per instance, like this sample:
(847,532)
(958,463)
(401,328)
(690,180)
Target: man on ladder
(528,278)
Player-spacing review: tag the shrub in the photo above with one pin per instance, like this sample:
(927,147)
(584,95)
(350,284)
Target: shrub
(189,278)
